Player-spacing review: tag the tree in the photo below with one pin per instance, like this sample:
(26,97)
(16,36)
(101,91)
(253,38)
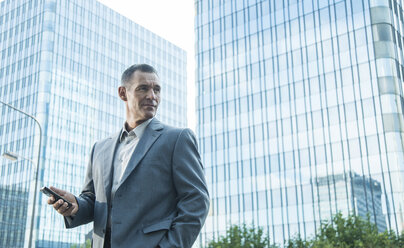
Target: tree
(87,244)
(241,237)
(352,231)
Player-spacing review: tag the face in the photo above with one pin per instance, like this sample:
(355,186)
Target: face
(141,96)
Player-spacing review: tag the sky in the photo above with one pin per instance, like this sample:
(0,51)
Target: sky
(174,21)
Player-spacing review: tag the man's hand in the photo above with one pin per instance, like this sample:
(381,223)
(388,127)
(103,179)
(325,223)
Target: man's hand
(62,206)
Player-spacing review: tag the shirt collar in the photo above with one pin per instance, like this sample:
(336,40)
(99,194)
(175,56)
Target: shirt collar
(137,131)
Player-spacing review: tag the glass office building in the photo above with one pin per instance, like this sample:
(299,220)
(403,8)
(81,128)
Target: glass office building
(352,192)
(61,61)
(300,112)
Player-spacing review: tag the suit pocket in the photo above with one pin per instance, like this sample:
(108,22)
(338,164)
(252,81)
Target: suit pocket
(161,225)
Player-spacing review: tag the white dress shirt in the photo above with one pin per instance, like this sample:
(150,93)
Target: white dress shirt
(127,144)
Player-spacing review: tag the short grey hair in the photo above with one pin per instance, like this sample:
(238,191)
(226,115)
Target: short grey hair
(127,74)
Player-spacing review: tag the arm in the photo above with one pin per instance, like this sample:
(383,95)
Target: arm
(193,197)
(85,201)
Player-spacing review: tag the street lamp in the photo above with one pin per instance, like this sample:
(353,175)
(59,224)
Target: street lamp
(10,156)
(15,157)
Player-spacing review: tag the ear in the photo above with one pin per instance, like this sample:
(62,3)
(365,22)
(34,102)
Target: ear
(122,93)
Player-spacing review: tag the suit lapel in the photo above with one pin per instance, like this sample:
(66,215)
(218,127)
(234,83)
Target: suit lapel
(150,135)
(109,151)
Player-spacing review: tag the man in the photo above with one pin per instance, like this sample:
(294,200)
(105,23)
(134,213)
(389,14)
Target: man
(144,186)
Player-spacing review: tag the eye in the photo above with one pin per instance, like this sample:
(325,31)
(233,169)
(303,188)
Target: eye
(157,89)
(143,88)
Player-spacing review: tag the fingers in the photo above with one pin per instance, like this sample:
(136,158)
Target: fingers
(51,200)
(60,205)
(58,191)
(63,208)
(67,195)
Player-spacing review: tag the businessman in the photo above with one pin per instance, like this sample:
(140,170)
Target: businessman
(144,185)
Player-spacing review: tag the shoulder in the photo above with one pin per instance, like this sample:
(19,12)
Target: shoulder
(178,131)
(176,134)
(164,128)
(107,140)
(182,137)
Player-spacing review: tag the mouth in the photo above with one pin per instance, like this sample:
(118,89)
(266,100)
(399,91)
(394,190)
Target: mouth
(149,105)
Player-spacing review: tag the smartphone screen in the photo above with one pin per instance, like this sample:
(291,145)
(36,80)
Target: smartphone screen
(47,191)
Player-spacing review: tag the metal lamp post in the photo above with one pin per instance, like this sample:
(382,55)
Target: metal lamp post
(10,156)
(14,157)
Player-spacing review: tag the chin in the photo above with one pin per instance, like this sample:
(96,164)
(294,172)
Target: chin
(149,115)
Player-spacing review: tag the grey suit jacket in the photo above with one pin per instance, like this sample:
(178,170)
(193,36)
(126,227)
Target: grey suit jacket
(162,198)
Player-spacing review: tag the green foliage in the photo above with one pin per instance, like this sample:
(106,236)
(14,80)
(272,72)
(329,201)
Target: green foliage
(340,232)
(350,232)
(87,244)
(241,237)
(297,242)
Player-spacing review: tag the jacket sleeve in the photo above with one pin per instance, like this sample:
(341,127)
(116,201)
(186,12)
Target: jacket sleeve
(86,200)
(192,194)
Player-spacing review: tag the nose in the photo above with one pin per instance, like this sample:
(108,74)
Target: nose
(151,94)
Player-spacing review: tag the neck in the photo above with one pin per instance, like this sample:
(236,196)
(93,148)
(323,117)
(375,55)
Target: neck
(132,124)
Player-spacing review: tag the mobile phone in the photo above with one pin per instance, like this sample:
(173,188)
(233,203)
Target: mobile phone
(47,191)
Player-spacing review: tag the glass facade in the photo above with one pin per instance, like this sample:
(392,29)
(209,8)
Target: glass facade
(61,61)
(352,192)
(300,112)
